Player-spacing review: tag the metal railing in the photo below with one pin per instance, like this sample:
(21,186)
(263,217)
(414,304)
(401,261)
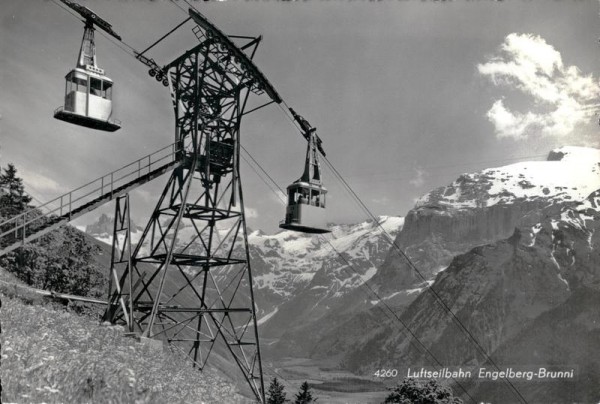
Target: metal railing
(62,207)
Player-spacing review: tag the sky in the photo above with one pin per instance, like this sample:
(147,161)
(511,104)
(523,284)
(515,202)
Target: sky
(406,95)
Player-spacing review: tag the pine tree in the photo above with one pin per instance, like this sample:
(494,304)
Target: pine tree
(13,199)
(61,261)
(275,395)
(304,396)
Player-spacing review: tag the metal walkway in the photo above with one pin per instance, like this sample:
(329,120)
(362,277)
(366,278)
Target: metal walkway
(34,223)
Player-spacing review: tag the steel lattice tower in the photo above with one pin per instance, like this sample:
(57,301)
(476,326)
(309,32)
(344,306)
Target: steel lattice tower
(189,281)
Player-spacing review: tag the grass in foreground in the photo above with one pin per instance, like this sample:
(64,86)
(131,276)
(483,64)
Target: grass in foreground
(53,356)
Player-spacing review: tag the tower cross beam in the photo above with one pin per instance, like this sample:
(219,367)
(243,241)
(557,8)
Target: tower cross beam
(194,250)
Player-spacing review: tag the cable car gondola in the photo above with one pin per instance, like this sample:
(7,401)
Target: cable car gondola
(305,210)
(88,92)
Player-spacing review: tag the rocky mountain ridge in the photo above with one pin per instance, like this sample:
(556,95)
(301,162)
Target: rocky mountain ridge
(483,207)
(504,291)
(503,248)
(102,229)
(286,263)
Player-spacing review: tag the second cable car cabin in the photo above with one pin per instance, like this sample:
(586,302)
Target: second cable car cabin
(88,92)
(305,210)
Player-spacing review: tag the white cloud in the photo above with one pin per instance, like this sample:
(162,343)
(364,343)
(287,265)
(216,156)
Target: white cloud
(381,201)
(250,213)
(419,178)
(563,96)
(40,184)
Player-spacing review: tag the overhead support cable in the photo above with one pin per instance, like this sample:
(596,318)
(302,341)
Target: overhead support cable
(132,52)
(365,284)
(164,36)
(430,289)
(257,108)
(438,298)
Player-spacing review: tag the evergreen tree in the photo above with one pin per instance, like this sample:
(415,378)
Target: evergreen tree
(411,391)
(13,199)
(304,396)
(275,395)
(61,261)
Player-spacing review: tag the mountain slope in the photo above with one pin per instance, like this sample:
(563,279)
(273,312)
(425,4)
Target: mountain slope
(564,338)
(51,355)
(445,223)
(289,263)
(502,248)
(324,273)
(483,207)
(102,230)
(509,290)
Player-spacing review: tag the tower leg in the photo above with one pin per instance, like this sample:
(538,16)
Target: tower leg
(120,279)
(190,272)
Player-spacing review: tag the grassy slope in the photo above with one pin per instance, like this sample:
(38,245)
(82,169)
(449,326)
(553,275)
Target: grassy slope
(51,355)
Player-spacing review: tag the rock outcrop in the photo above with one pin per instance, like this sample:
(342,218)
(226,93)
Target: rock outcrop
(502,292)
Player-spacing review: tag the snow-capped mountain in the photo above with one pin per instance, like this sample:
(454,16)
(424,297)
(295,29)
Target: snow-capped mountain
(522,270)
(102,230)
(484,207)
(514,251)
(529,300)
(293,259)
(441,227)
(569,174)
(286,263)
(319,274)
(290,268)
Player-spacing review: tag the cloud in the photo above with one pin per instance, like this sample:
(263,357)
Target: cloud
(419,178)
(563,96)
(250,213)
(40,184)
(381,201)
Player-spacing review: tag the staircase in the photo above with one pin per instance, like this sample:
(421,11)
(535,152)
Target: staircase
(34,223)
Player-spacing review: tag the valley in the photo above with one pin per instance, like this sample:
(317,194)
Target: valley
(503,249)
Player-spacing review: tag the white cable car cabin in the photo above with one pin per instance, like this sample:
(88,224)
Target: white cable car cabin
(88,92)
(305,210)
(88,101)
